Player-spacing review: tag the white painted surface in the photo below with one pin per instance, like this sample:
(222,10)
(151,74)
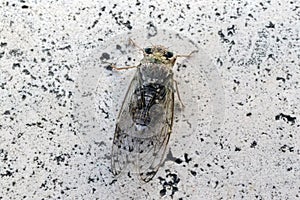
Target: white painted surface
(57,121)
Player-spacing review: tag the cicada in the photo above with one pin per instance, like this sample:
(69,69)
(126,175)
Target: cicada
(145,120)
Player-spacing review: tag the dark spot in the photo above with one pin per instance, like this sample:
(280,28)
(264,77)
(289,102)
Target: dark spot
(15,65)
(50,73)
(91,180)
(253,144)
(187,160)
(129,175)
(237,82)
(163,192)
(7,173)
(175,189)
(178,161)
(152,7)
(130,149)
(112,182)
(44,88)
(223,39)
(286,148)
(61,158)
(105,56)
(280,78)
(95,22)
(286,118)
(68,47)
(20,134)
(169,183)
(237,149)
(7,112)
(68,78)
(249,114)
(108,67)
(127,24)
(25,7)
(16,52)
(2,54)
(118,47)
(3,44)
(270,25)
(231,30)
(193,173)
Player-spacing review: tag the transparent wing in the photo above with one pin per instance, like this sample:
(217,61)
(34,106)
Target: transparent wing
(142,147)
(152,153)
(122,142)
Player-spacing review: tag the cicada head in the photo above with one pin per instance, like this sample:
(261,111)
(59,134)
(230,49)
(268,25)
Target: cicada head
(159,54)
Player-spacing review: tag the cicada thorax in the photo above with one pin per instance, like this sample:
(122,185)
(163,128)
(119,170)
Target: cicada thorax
(155,81)
(157,73)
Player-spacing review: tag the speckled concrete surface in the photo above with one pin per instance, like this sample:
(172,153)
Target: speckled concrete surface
(59,101)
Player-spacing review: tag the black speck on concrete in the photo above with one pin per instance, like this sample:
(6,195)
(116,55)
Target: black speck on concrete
(105,56)
(287,118)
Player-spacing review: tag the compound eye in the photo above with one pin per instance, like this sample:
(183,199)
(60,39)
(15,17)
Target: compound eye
(169,54)
(148,50)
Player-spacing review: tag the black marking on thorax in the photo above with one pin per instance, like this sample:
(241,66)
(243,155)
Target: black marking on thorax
(152,93)
(147,96)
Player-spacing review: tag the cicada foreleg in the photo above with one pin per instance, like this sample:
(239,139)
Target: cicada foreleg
(121,68)
(113,66)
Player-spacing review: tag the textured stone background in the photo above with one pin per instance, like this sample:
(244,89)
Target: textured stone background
(46,152)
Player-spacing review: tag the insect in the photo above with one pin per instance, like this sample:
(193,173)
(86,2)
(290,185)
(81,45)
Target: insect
(145,120)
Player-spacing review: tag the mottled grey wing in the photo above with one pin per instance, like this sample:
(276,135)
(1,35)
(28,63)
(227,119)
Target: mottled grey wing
(142,148)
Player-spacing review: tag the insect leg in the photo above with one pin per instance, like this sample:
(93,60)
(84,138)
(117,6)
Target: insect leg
(135,45)
(177,91)
(186,55)
(113,66)
(121,68)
